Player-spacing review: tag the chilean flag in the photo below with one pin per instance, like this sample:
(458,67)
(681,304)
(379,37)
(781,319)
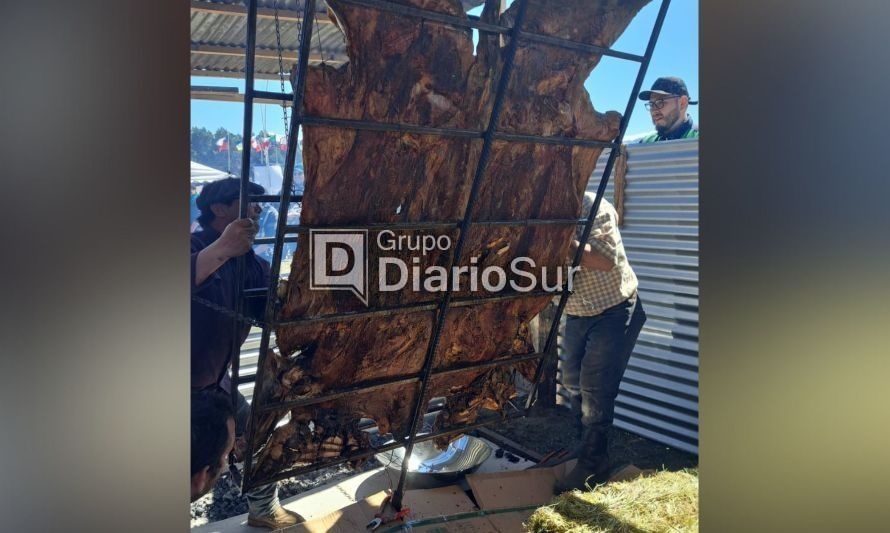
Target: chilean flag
(222,145)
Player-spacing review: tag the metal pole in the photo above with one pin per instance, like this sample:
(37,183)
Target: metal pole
(243,196)
(286,187)
(591,216)
(488,140)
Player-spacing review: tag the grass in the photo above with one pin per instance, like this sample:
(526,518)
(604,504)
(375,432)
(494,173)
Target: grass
(662,502)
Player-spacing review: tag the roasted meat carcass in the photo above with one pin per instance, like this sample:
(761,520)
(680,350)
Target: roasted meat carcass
(408,71)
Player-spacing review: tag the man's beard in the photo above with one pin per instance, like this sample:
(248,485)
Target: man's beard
(672,121)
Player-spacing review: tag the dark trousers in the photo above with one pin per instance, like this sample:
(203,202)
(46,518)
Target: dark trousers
(260,500)
(595,354)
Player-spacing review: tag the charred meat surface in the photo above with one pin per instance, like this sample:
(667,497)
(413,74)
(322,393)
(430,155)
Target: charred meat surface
(405,70)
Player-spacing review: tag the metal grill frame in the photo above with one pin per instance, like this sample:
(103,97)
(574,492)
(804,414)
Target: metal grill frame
(299,118)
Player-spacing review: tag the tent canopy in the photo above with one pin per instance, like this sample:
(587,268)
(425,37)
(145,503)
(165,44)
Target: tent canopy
(204,174)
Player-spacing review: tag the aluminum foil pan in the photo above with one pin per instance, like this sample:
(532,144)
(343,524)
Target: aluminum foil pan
(429,467)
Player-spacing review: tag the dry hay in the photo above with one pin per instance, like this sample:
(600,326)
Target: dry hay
(662,502)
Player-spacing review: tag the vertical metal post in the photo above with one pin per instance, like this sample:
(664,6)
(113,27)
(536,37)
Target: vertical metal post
(283,206)
(245,180)
(610,162)
(488,140)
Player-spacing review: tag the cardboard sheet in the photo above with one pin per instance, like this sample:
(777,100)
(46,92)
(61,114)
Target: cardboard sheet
(425,503)
(493,491)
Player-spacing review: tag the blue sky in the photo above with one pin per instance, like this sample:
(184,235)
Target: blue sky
(676,54)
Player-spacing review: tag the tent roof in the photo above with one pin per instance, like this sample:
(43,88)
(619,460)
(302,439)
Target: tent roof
(203,173)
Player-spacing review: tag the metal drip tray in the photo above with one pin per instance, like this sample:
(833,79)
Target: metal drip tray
(429,467)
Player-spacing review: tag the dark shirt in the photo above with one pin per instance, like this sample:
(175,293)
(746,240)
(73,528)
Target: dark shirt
(212,331)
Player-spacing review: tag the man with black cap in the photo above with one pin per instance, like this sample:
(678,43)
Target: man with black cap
(224,237)
(667,102)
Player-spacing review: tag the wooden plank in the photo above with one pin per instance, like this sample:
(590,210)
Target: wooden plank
(229,74)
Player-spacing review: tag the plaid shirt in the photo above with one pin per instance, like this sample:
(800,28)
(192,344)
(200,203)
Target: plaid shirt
(594,291)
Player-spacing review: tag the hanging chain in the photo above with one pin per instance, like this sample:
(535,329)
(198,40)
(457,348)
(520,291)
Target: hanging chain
(318,37)
(280,70)
(228,312)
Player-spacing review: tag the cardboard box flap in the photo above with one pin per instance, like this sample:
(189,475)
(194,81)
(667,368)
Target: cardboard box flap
(502,490)
(425,503)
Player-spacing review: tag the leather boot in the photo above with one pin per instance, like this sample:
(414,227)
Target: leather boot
(593,463)
(278,518)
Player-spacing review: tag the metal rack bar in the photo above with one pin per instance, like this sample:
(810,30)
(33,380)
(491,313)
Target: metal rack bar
(392,446)
(273,198)
(488,141)
(337,394)
(402,380)
(410,307)
(448,132)
(243,194)
(409,226)
(390,127)
(610,162)
(287,182)
(578,47)
(304,228)
(488,137)
(269,95)
(474,22)
(271,240)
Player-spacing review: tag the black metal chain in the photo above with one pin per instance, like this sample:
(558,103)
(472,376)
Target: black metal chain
(318,37)
(230,313)
(281,67)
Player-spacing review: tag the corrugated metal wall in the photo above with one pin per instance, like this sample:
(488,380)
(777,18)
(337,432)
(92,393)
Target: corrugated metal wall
(250,352)
(659,394)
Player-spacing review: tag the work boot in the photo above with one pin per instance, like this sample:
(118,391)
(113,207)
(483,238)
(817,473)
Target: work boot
(593,463)
(278,518)
(576,416)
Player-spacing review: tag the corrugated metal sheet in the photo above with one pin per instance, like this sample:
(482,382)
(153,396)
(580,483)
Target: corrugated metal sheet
(250,352)
(218,39)
(659,394)
(219,33)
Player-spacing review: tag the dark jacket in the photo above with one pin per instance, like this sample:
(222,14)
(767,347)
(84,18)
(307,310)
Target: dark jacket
(212,331)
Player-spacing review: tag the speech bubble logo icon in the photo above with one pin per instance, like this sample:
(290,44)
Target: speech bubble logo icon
(339,261)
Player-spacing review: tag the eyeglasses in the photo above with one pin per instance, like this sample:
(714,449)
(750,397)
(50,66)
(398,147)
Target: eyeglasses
(658,104)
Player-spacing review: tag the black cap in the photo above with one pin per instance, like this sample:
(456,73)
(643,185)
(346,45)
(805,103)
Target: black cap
(224,191)
(669,86)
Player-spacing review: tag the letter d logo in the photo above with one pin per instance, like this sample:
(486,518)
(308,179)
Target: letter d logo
(339,261)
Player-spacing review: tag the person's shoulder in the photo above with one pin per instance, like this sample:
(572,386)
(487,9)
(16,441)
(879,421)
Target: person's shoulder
(605,207)
(649,138)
